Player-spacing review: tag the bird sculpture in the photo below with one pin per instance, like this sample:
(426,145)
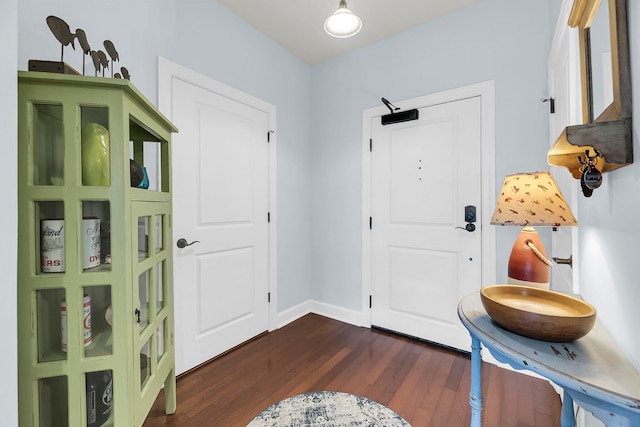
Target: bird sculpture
(104,62)
(63,34)
(125,73)
(113,53)
(84,44)
(61,31)
(96,61)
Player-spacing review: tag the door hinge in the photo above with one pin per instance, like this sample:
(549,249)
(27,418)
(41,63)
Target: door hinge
(370,223)
(268,216)
(269,132)
(370,301)
(268,296)
(370,145)
(552,104)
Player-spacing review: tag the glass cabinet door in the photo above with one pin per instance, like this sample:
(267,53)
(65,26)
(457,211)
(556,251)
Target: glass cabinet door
(151,313)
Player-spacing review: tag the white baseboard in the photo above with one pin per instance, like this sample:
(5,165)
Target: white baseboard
(341,314)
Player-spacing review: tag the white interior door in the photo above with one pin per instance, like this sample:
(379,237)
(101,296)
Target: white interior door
(564,89)
(423,174)
(221,200)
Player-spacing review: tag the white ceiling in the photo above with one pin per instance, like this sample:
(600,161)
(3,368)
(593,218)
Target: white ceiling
(297,25)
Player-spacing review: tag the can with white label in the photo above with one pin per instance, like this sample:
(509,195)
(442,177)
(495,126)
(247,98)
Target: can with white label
(90,243)
(52,245)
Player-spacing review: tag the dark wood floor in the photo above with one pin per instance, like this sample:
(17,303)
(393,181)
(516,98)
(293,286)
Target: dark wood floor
(426,385)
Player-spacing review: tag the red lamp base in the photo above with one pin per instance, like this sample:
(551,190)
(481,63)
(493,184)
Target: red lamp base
(525,266)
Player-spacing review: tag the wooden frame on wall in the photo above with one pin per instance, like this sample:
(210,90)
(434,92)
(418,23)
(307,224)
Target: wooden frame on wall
(609,133)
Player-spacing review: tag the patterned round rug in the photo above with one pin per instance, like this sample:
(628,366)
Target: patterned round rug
(328,409)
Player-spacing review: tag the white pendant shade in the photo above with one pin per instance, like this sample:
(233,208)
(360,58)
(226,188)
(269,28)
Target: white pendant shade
(342,23)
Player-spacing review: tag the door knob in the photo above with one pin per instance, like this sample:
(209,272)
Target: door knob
(182,243)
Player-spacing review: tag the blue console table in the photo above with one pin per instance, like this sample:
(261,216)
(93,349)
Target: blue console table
(592,371)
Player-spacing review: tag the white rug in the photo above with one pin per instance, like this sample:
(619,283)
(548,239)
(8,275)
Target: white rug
(328,409)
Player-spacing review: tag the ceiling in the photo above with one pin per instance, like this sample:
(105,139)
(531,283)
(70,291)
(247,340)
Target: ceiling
(297,25)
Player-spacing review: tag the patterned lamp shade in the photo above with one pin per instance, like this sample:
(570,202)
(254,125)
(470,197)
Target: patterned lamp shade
(532,199)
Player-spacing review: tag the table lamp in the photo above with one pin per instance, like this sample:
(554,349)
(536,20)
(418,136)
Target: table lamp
(531,199)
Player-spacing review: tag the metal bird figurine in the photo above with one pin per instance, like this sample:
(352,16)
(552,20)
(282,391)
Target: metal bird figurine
(104,62)
(113,53)
(125,73)
(96,61)
(61,30)
(84,44)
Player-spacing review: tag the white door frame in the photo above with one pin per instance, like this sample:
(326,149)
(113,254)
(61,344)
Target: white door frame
(485,90)
(167,72)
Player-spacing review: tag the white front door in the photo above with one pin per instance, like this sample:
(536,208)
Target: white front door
(221,205)
(424,174)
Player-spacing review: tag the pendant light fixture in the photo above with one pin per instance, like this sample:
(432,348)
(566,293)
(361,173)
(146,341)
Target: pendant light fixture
(342,23)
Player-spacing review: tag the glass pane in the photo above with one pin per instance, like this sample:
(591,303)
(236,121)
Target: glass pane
(159,237)
(143,297)
(143,237)
(51,242)
(145,363)
(148,154)
(53,401)
(52,324)
(95,147)
(95,233)
(48,145)
(99,386)
(160,340)
(97,331)
(160,275)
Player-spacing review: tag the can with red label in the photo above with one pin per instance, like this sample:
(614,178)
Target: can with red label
(86,311)
(52,245)
(86,322)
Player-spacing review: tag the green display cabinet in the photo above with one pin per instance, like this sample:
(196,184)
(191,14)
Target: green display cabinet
(95,291)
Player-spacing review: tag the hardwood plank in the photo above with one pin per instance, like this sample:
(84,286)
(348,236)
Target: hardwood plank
(427,385)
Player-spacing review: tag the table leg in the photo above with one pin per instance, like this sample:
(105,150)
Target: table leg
(566,416)
(475,395)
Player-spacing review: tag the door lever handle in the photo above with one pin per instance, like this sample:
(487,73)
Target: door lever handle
(469,227)
(182,243)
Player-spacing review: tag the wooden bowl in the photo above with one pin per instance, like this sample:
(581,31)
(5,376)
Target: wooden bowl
(538,313)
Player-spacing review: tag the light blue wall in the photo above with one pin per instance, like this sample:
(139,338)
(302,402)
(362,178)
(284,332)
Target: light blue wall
(206,37)
(9,216)
(610,231)
(319,130)
(502,40)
